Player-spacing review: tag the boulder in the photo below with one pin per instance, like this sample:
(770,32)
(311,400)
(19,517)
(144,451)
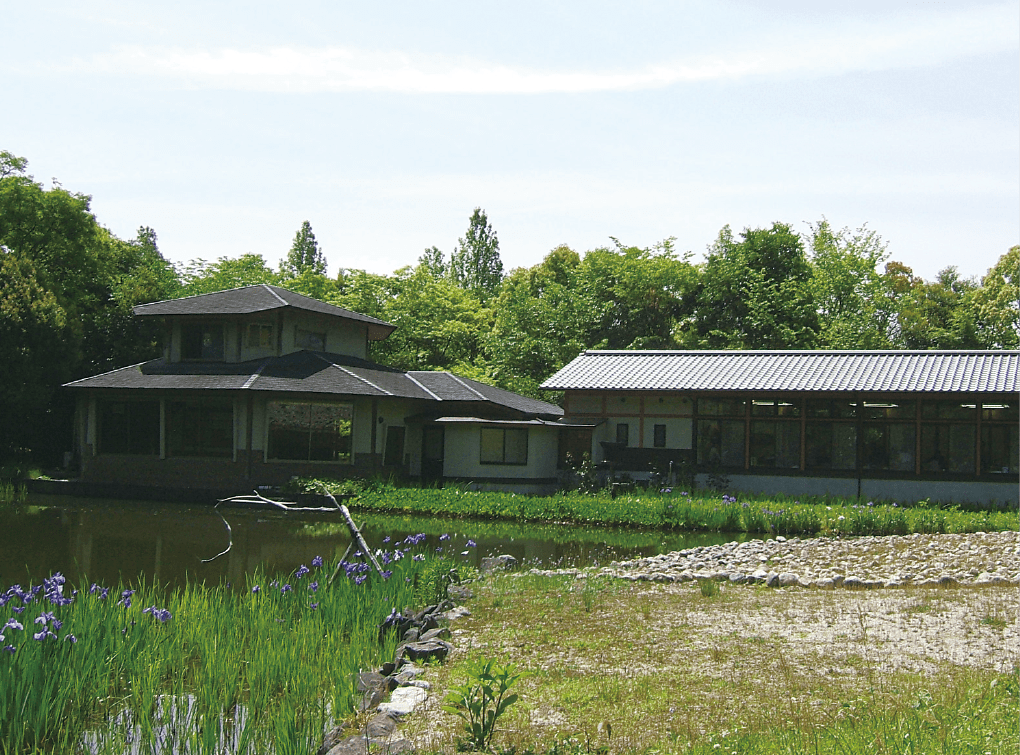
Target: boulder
(490,564)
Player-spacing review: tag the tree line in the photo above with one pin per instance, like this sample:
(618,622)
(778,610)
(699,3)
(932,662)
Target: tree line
(67,286)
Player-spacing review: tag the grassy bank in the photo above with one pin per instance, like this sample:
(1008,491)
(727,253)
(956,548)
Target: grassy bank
(621,668)
(210,669)
(699,511)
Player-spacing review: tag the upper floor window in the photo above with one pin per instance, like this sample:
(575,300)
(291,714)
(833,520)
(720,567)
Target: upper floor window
(259,336)
(202,341)
(310,339)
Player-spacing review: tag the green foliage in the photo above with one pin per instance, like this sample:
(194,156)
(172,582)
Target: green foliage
(854,310)
(304,255)
(482,700)
(201,277)
(706,512)
(279,655)
(755,293)
(475,263)
(997,303)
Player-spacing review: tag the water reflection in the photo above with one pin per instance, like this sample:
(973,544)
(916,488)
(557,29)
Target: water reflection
(104,541)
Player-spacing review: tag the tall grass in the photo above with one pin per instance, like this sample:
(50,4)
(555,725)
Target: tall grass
(262,667)
(697,511)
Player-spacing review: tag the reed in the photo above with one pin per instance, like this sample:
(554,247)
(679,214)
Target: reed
(267,666)
(701,511)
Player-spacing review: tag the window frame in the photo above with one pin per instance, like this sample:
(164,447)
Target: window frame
(504,431)
(204,326)
(270,457)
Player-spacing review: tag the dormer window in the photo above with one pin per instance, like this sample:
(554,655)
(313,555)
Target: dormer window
(202,341)
(310,339)
(259,336)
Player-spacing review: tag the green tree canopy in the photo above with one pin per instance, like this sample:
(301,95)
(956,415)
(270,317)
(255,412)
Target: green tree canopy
(997,303)
(304,255)
(854,311)
(475,263)
(755,293)
(201,277)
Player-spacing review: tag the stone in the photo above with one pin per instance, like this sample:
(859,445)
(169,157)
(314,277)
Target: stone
(772,579)
(459,592)
(854,582)
(439,633)
(490,564)
(403,701)
(788,579)
(457,612)
(433,650)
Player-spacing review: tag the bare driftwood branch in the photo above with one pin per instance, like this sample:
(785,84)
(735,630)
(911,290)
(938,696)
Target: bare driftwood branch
(230,541)
(355,533)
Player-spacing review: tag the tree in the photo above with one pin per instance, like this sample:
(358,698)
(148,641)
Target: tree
(848,288)
(304,255)
(434,262)
(997,303)
(934,315)
(475,263)
(755,293)
(33,331)
(201,277)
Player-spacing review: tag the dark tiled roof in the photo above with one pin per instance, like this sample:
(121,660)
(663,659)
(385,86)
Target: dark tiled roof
(893,371)
(313,372)
(449,387)
(260,298)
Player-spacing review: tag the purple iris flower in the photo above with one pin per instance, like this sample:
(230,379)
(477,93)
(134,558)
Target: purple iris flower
(359,579)
(286,588)
(444,537)
(14,624)
(317,562)
(255,590)
(313,586)
(387,574)
(302,571)
(125,598)
(470,544)
(70,638)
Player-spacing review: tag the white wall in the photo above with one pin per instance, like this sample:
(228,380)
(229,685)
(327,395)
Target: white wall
(463,451)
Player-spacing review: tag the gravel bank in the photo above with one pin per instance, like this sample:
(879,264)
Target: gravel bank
(982,558)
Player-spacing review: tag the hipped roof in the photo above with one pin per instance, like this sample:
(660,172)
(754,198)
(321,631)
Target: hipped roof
(259,298)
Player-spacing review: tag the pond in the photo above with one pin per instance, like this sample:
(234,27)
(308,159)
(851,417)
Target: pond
(104,540)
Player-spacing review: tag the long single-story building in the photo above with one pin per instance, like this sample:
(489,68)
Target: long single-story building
(258,384)
(905,425)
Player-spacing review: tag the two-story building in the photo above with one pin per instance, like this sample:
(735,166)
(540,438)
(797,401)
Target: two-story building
(258,384)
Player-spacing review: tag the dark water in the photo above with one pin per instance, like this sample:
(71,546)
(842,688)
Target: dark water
(104,541)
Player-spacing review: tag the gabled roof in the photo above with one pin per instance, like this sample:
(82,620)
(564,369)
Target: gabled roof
(892,371)
(259,298)
(312,372)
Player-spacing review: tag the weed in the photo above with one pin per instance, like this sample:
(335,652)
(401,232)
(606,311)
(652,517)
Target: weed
(482,700)
(709,587)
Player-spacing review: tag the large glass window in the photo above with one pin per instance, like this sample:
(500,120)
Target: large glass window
(775,444)
(775,407)
(200,427)
(721,442)
(310,339)
(129,427)
(889,446)
(623,433)
(831,445)
(504,445)
(831,408)
(310,432)
(202,341)
(948,410)
(888,409)
(721,407)
(999,449)
(948,448)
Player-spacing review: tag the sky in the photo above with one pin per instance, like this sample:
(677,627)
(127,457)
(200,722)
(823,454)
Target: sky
(225,125)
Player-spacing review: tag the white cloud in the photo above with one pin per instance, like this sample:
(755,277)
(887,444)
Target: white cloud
(896,41)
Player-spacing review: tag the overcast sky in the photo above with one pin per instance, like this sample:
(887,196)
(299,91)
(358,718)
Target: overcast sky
(224,125)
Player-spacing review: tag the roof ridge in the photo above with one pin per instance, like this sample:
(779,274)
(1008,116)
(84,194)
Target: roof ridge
(461,381)
(255,375)
(422,385)
(272,290)
(352,374)
(110,372)
(811,352)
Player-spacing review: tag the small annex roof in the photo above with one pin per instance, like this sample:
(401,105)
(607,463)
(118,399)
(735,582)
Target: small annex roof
(510,422)
(446,386)
(259,298)
(830,371)
(311,372)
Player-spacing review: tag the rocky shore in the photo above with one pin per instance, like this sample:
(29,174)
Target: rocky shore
(981,558)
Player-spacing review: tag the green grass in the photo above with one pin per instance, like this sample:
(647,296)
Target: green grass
(266,665)
(700,511)
(747,670)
